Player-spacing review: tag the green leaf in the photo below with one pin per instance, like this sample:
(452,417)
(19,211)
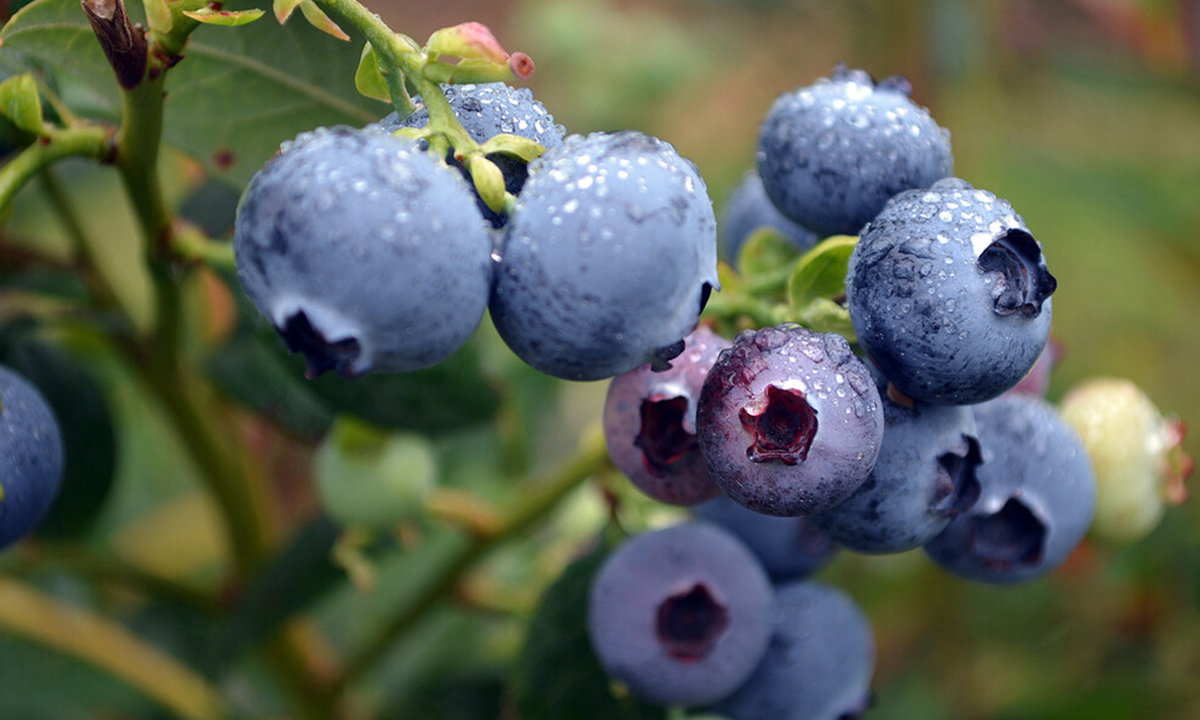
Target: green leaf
(368,78)
(825,315)
(283,9)
(318,19)
(516,146)
(557,674)
(54,35)
(821,272)
(158,15)
(20,103)
(444,398)
(227,18)
(85,421)
(233,98)
(254,371)
(765,260)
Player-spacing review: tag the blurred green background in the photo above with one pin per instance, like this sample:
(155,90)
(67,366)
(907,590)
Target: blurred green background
(1085,114)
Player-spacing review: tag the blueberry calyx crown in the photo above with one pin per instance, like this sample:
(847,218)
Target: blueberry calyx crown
(785,428)
(320,353)
(689,623)
(662,437)
(1022,282)
(1011,537)
(957,488)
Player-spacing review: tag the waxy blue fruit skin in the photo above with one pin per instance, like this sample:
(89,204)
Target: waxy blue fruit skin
(650,424)
(833,153)
(486,110)
(819,663)
(364,252)
(31,457)
(609,257)
(681,615)
(1037,496)
(790,421)
(746,210)
(949,294)
(790,548)
(923,478)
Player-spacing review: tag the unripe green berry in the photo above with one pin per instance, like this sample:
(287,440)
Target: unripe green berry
(368,477)
(1136,453)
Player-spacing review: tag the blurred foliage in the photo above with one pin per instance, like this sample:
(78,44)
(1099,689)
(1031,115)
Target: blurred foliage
(1085,114)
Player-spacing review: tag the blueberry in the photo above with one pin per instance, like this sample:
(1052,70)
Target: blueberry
(1037,496)
(650,424)
(31,457)
(819,663)
(790,421)
(833,153)
(1037,380)
(487,110)
(949,294)
(364,252)
(1136,452)
(681,615)
(608,259)
(923,478)
(790,548)
(748,209)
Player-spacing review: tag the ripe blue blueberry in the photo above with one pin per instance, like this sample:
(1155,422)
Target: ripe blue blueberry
(790,548)
(923,478)
(819,663)
(364,252)
(746,210)
(681,615)
(833,153)
(650,424)
(949,294)
(31,457)
(790,421)
(487,110)
(1037,496)
(608,259)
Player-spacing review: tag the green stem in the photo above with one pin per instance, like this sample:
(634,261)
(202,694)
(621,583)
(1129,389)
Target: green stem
(91,141)
(93,277)
(458,557)
(102,643)
(40,557)
(190,243)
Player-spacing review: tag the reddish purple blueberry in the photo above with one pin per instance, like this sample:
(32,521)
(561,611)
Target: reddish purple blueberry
(650,424)
(790,421)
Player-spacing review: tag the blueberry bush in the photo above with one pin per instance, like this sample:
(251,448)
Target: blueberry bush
(346,374)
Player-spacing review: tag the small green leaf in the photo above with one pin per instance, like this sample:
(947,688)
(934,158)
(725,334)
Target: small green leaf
(519,147)
(20,103)
(369,78)
(765,262)
(470,41)
(821,272)
(557,673)
(158,15)
(226,18)
(489,181)
(825,315)
(318,19)
(283,9)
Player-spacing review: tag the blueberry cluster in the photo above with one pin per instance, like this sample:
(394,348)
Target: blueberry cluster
(369,253)
(903,431)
